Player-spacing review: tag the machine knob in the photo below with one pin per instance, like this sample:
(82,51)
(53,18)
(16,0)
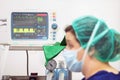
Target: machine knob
(54,26)
(51,65)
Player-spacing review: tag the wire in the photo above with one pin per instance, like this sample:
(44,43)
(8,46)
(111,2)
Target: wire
(27,62)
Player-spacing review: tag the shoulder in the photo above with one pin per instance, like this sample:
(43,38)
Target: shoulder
(104,75)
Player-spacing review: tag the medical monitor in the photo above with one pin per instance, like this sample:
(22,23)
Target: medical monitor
(29,26)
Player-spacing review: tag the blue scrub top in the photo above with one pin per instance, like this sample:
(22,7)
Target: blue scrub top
(104,75)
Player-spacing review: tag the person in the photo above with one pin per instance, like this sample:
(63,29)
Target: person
(90,46)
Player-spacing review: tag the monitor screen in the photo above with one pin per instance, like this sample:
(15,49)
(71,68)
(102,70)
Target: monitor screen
(29,25)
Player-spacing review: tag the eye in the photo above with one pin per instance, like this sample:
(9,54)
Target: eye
(70,46)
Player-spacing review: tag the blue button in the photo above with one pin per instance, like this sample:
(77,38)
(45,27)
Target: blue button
(54,39)
(54,32)
(54,19)
(54,26)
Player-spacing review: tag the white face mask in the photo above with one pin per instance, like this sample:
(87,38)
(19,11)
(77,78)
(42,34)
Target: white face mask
(71,59)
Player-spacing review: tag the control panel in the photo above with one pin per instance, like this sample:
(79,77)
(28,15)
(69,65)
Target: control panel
(31,30)
(54,26)
(33,26)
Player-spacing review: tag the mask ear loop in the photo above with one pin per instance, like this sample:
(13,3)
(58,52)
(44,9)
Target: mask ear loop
(93,40)
(90,40)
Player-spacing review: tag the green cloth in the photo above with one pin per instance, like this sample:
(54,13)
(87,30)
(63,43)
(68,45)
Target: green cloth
(51,51)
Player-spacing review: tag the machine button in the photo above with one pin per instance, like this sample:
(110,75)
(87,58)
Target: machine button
(54,26)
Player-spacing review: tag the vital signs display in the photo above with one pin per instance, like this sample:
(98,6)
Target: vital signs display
(29,25)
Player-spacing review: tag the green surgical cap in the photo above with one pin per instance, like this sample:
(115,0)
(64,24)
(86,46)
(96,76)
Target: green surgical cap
(51,51)
(106,41)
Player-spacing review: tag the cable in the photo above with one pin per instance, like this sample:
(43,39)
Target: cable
(27,62)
